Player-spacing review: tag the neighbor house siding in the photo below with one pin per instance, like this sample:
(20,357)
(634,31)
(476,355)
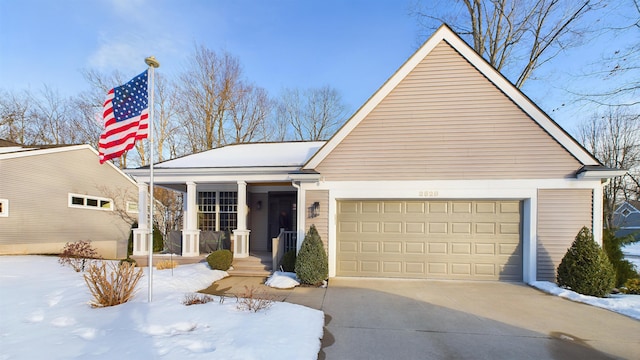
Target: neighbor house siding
(40,220)
(321,221)
(561,215)
(444,121)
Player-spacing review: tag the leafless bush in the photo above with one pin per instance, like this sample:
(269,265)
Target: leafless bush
(194,299)
(78,255)
(111,284)
(254,300)
(166,264)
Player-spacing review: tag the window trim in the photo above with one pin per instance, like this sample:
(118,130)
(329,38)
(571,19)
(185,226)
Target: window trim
(4,208)
(85,200)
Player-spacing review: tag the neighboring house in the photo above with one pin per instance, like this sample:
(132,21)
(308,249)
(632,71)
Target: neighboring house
(52,195)
(447,172)
(626,219)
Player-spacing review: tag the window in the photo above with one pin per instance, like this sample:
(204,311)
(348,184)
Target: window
(217,210)
(90,202)
(626,212)
(132,207)
(4,207)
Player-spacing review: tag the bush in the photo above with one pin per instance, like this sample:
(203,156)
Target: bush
(220,260)
(78,255)
(166,264)
(195,299)
(632,286)
(288,262)
(113,286)
(585,268)
(254,300)
(312,265)
(129,261)
(613,248)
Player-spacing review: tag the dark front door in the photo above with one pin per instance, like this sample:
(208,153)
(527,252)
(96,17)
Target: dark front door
(282,213)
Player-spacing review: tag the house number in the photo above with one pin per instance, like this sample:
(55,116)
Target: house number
(428,193)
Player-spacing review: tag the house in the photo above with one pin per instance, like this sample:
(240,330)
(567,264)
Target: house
(626,219)
(448,171)
(51,195)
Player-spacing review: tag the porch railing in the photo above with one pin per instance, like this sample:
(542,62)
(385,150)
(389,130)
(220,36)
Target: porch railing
(286,241)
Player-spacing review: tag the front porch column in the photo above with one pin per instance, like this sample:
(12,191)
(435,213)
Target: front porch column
(190,231)
(241,234)
(141,234)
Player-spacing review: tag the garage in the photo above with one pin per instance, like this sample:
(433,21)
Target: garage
(429,239)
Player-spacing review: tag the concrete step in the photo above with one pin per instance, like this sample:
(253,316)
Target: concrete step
(251,266)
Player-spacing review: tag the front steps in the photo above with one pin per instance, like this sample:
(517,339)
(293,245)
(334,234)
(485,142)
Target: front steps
(257,264)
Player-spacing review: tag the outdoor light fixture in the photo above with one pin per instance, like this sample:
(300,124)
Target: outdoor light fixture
(315,209)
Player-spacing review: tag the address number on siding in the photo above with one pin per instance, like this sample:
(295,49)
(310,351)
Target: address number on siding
(428,193)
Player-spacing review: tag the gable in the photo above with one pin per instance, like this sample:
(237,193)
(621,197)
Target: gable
(446,120)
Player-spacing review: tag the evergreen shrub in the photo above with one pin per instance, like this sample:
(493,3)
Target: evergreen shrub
(220,260)
(585,268)
(312,264)
(613,247)
(288,262)
(632,286)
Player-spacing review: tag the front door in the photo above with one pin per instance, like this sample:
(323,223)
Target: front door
(282,213)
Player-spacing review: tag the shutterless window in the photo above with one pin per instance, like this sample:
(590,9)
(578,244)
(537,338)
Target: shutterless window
(217,210)
(90,202)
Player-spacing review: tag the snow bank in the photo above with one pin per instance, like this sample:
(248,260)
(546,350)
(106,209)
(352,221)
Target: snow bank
(282,280)
(45,315)
(624,304)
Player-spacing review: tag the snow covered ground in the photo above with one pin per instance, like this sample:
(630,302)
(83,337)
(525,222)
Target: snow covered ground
(44,314)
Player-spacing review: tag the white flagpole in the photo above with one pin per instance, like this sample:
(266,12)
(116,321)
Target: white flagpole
(153,63)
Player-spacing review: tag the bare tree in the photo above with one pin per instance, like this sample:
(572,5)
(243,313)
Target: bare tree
(207,90)
(614,139)
(17,122)
(313,114)
(515,36)
(249,114)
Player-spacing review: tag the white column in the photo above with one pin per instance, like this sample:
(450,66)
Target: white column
(301,212)
(598,208)
(141,234)
(190,232)
(241,234)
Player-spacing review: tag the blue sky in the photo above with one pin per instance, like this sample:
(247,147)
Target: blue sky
(353,46)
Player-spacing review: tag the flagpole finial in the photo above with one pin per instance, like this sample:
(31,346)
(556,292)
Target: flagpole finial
(151,61)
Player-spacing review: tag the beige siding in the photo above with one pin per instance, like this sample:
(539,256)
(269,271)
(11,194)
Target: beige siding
(37,188)
(321,221)
(447,121)
(561,215)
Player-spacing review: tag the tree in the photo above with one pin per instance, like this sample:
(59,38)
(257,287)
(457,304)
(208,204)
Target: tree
(16,117)
(314,114)
(219,106)
(614,139)
(515,36)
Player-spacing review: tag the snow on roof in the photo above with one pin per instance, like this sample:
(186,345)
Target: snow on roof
(11,149)
(249,155)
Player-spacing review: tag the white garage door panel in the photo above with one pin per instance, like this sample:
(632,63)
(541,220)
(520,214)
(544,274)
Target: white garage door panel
(430,239)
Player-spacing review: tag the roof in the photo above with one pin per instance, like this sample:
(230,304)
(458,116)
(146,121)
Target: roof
(444,33)
(248,155)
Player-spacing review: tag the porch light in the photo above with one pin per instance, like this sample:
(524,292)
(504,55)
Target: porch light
(314,209)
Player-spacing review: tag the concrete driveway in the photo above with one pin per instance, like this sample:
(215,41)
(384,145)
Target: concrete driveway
(419,319)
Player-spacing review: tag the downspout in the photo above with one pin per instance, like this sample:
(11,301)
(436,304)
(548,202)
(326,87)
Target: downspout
(300,214)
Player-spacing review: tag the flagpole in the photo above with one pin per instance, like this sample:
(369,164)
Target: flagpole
(152,63)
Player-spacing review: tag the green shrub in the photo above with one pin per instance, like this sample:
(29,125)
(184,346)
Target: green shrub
(288,262)
(312,265)
(220,260)
(613,248)
(632,286)
(585,268)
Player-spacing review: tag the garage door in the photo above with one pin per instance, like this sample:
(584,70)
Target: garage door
(473,240)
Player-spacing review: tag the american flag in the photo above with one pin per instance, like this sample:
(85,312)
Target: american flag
(126,118)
